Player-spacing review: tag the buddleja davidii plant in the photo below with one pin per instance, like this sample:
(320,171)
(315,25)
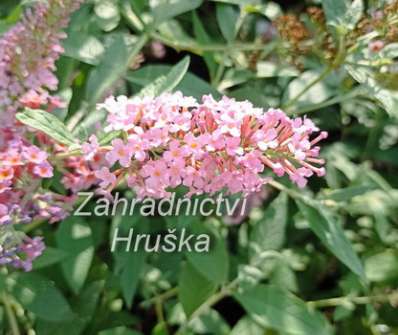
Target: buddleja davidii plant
(28,54)
(155,144)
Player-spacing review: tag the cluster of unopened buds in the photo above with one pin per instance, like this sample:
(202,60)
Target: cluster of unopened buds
(208,147)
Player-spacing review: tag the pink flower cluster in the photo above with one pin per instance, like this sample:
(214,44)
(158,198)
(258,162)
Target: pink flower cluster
(208,147)
(22,167)
(22,200)
(28,52)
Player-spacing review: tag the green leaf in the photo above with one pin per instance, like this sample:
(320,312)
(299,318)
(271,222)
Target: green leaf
(342,13)
(316,94)
(48,124)
(116,59)
(160,329)
(85,48)
(387,98)
(84,306)
(236,2)
(247,326)
(131,266)
(382,266)
(227,18)
(74,237)
(193,289)
(354,13)
(189,85)
(49,257)
(40,296)
(274,308)
(213,265)
(174,32)
(108,137)
(202,37)
(210,322)
(266,69)
(269,232)
(283,275)
(348,193)
(330,232)
(166,83)
(108,15)
(171,8)
(119,331)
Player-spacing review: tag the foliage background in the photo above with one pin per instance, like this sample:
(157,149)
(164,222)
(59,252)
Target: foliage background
(319,261)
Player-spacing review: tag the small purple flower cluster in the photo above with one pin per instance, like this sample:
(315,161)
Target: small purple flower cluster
(19,253)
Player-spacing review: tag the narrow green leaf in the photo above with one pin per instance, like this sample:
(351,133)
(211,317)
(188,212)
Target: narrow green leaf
(116,59)
(332,235)
(85,48)
(48,124)
(131,266)
(108,137)
(269,232)
(107,14)
(354,13)
(335,10)
(166,83)
(189,85)
(49,257)
(227,18)
(318,93)
(203,37)
(167,10)
(74,237)
(213,265)
(382,266)
(386,97)
(342,13)
(210,322)
(247,326)
(119,331)
(193,288)
(274,308)
(346,194)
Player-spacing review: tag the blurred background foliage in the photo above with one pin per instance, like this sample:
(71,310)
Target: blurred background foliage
(319,261)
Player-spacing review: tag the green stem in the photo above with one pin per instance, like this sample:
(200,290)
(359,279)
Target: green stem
(283,188)
(12,320)
(159,312)
(327,103)
(199,48)
(32,226)
(322,76)
(67,154)
(162,297)
(132,19)
(335,64)
(211,301)
(333,302)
